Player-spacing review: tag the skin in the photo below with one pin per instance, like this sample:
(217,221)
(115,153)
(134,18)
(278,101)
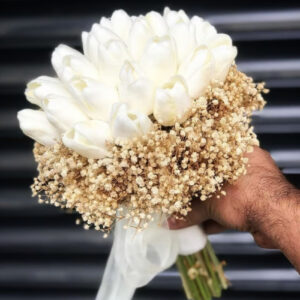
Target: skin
(261,202)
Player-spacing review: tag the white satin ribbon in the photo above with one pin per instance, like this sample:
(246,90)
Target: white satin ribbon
(137,257)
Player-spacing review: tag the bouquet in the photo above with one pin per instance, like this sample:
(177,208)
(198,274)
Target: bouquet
(153,114)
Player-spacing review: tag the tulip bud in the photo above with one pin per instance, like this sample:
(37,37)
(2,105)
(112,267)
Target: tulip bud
(89,139)
(34,124)
(90,47)
(172,102)
(69,63)
(111,57)
(173,17)
(126,125)
(224,57)
(119,23)
(197,71)
(62,112)
(224,54)
(157,23)
(94,97)
(103,34)
(159,61)
(136,90)
(184,37)
(39,88)
(139,35)
(204,31)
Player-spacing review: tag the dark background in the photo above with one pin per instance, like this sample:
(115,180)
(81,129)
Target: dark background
(43,255)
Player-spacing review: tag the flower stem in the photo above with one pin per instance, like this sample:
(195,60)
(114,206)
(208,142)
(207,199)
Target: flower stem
(202,274)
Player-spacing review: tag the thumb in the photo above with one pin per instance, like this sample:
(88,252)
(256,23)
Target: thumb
(197,215)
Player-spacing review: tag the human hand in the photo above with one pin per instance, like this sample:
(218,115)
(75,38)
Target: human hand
(261,202)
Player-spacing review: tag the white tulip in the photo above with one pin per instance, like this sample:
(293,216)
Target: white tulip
(157,23)
(69,63)
(197,71)
(136,90)
(103,34)
(111,57)
(94,98)
(62,112)
(139,35)
(224,57)
(159,61)
(89,139)
(39,88)
(183,34)
(35,124)
(224,54)
(204,31)
(126,125)
(173,17)
(90,47)
(172,102)
(119,23)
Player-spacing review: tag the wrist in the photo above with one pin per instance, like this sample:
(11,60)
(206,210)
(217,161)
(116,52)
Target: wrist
(281,224)
(276,212)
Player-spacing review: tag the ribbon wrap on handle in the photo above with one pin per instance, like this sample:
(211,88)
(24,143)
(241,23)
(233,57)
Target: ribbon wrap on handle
(137,257)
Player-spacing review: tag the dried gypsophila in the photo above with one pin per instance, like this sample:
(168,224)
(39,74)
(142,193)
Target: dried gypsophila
(164,170)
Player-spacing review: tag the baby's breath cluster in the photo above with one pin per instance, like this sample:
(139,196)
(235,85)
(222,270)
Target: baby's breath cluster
(163,171)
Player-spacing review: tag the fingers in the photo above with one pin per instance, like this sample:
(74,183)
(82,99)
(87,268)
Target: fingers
(212,227)
(263,241)
(198,215)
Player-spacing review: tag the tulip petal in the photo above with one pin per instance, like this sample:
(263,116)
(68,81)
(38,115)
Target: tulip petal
(157,23)
(136,90)
(197,71)
(69,63)
(172,102)
(95,98)
(139,35)
(159,61)
(111,58)
(35,124)
(126,125)
(89,139)
(62,112)
(39,88)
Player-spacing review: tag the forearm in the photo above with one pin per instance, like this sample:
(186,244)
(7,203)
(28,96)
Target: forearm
(289,235)
(281,223)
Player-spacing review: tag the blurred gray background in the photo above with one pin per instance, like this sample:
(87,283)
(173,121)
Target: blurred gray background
(43,255)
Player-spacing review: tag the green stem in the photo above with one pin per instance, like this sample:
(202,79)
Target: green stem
(208,279)
(199,283)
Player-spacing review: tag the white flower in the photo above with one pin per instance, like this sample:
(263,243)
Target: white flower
(91,41)
(89,139)
(224,54)
(139,35)
(204,31)
(34,124)
(94,98)
(132,67)
(159,61)
(62,112)
(182,31)
(126,125)
(69,63)
(157,23)
(173,17)
(111,57)
(197,70)
(38,89)
(120,23)
(172,102)
(135,89)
